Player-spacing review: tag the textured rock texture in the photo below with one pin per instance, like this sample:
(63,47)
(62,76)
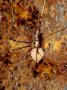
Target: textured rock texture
(19,20)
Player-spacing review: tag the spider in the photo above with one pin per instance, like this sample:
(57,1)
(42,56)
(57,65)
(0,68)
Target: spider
(37,53)
(42,67)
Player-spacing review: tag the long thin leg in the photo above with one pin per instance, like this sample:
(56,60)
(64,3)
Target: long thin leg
(46,61)
(50,35)
(20,61)
(20,41)
(21,48)
(43,7)
(26,53)
(57,31)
